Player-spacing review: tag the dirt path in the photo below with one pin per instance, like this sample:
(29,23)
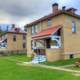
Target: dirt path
(51,67)
(67,66)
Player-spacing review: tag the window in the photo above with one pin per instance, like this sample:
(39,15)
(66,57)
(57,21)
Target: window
(24,37)
(71,56)
(14,37)
(25,29)
(49,22)
(24,45)
(73,27)
(34,29)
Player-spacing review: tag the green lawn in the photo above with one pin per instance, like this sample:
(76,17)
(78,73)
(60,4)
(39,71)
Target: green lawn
(61,62)
(9,70)
(18,58)
(73,68)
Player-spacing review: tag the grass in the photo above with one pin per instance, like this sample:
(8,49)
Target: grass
(18,58)
(11,71)
(61,62)
(73,68)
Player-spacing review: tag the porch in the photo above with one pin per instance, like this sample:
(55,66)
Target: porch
(48,43)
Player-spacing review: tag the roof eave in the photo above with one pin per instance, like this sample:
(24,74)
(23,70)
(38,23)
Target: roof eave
(50,16)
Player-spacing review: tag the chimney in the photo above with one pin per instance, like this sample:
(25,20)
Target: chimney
(63,8)
(72,10)
(55,8)
(13,25)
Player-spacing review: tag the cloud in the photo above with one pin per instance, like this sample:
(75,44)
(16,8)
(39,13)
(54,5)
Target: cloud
(15,11)
(23,7)
(25,11)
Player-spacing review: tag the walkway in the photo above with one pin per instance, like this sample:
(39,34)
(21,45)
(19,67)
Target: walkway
(51,67)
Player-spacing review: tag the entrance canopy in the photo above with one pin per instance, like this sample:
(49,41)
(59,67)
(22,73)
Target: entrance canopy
(46,32)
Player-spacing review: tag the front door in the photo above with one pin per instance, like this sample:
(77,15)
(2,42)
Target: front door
(48,41)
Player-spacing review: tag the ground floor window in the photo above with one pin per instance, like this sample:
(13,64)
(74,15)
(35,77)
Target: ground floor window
(71,56)
(24,45)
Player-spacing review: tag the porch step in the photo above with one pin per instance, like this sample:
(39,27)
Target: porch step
(39,58)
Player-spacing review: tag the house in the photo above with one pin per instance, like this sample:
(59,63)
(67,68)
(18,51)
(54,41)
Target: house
(56,36)
(13,40)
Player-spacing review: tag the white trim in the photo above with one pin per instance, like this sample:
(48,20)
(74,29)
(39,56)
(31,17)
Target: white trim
(58,41)
(55,31)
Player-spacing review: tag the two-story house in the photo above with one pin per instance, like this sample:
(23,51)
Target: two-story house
(13,41)
(56,36)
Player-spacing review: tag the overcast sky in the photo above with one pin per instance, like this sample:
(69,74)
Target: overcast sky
(22,12)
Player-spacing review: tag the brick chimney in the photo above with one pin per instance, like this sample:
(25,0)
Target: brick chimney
(55,8)
(72,10)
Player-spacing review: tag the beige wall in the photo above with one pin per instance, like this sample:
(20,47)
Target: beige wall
(18,45)
(29,50)
(54,54)
(71,40)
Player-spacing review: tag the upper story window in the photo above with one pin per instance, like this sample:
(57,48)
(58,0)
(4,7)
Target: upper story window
(34,29)
(49,22)
(24,37)
(14,37)
(26,29)
(73,27)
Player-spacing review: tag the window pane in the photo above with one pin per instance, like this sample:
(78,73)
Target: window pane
(49,22)
(14,37)
(24,45)
(73,26)
(33,29)
(36,28)
(24,37)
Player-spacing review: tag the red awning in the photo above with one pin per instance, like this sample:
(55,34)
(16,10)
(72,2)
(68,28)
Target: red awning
(46,32)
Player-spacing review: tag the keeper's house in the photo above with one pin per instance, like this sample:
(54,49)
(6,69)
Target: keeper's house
(57,35)
(13,40)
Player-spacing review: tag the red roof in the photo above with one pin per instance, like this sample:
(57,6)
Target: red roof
(17,30)
(46,32)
